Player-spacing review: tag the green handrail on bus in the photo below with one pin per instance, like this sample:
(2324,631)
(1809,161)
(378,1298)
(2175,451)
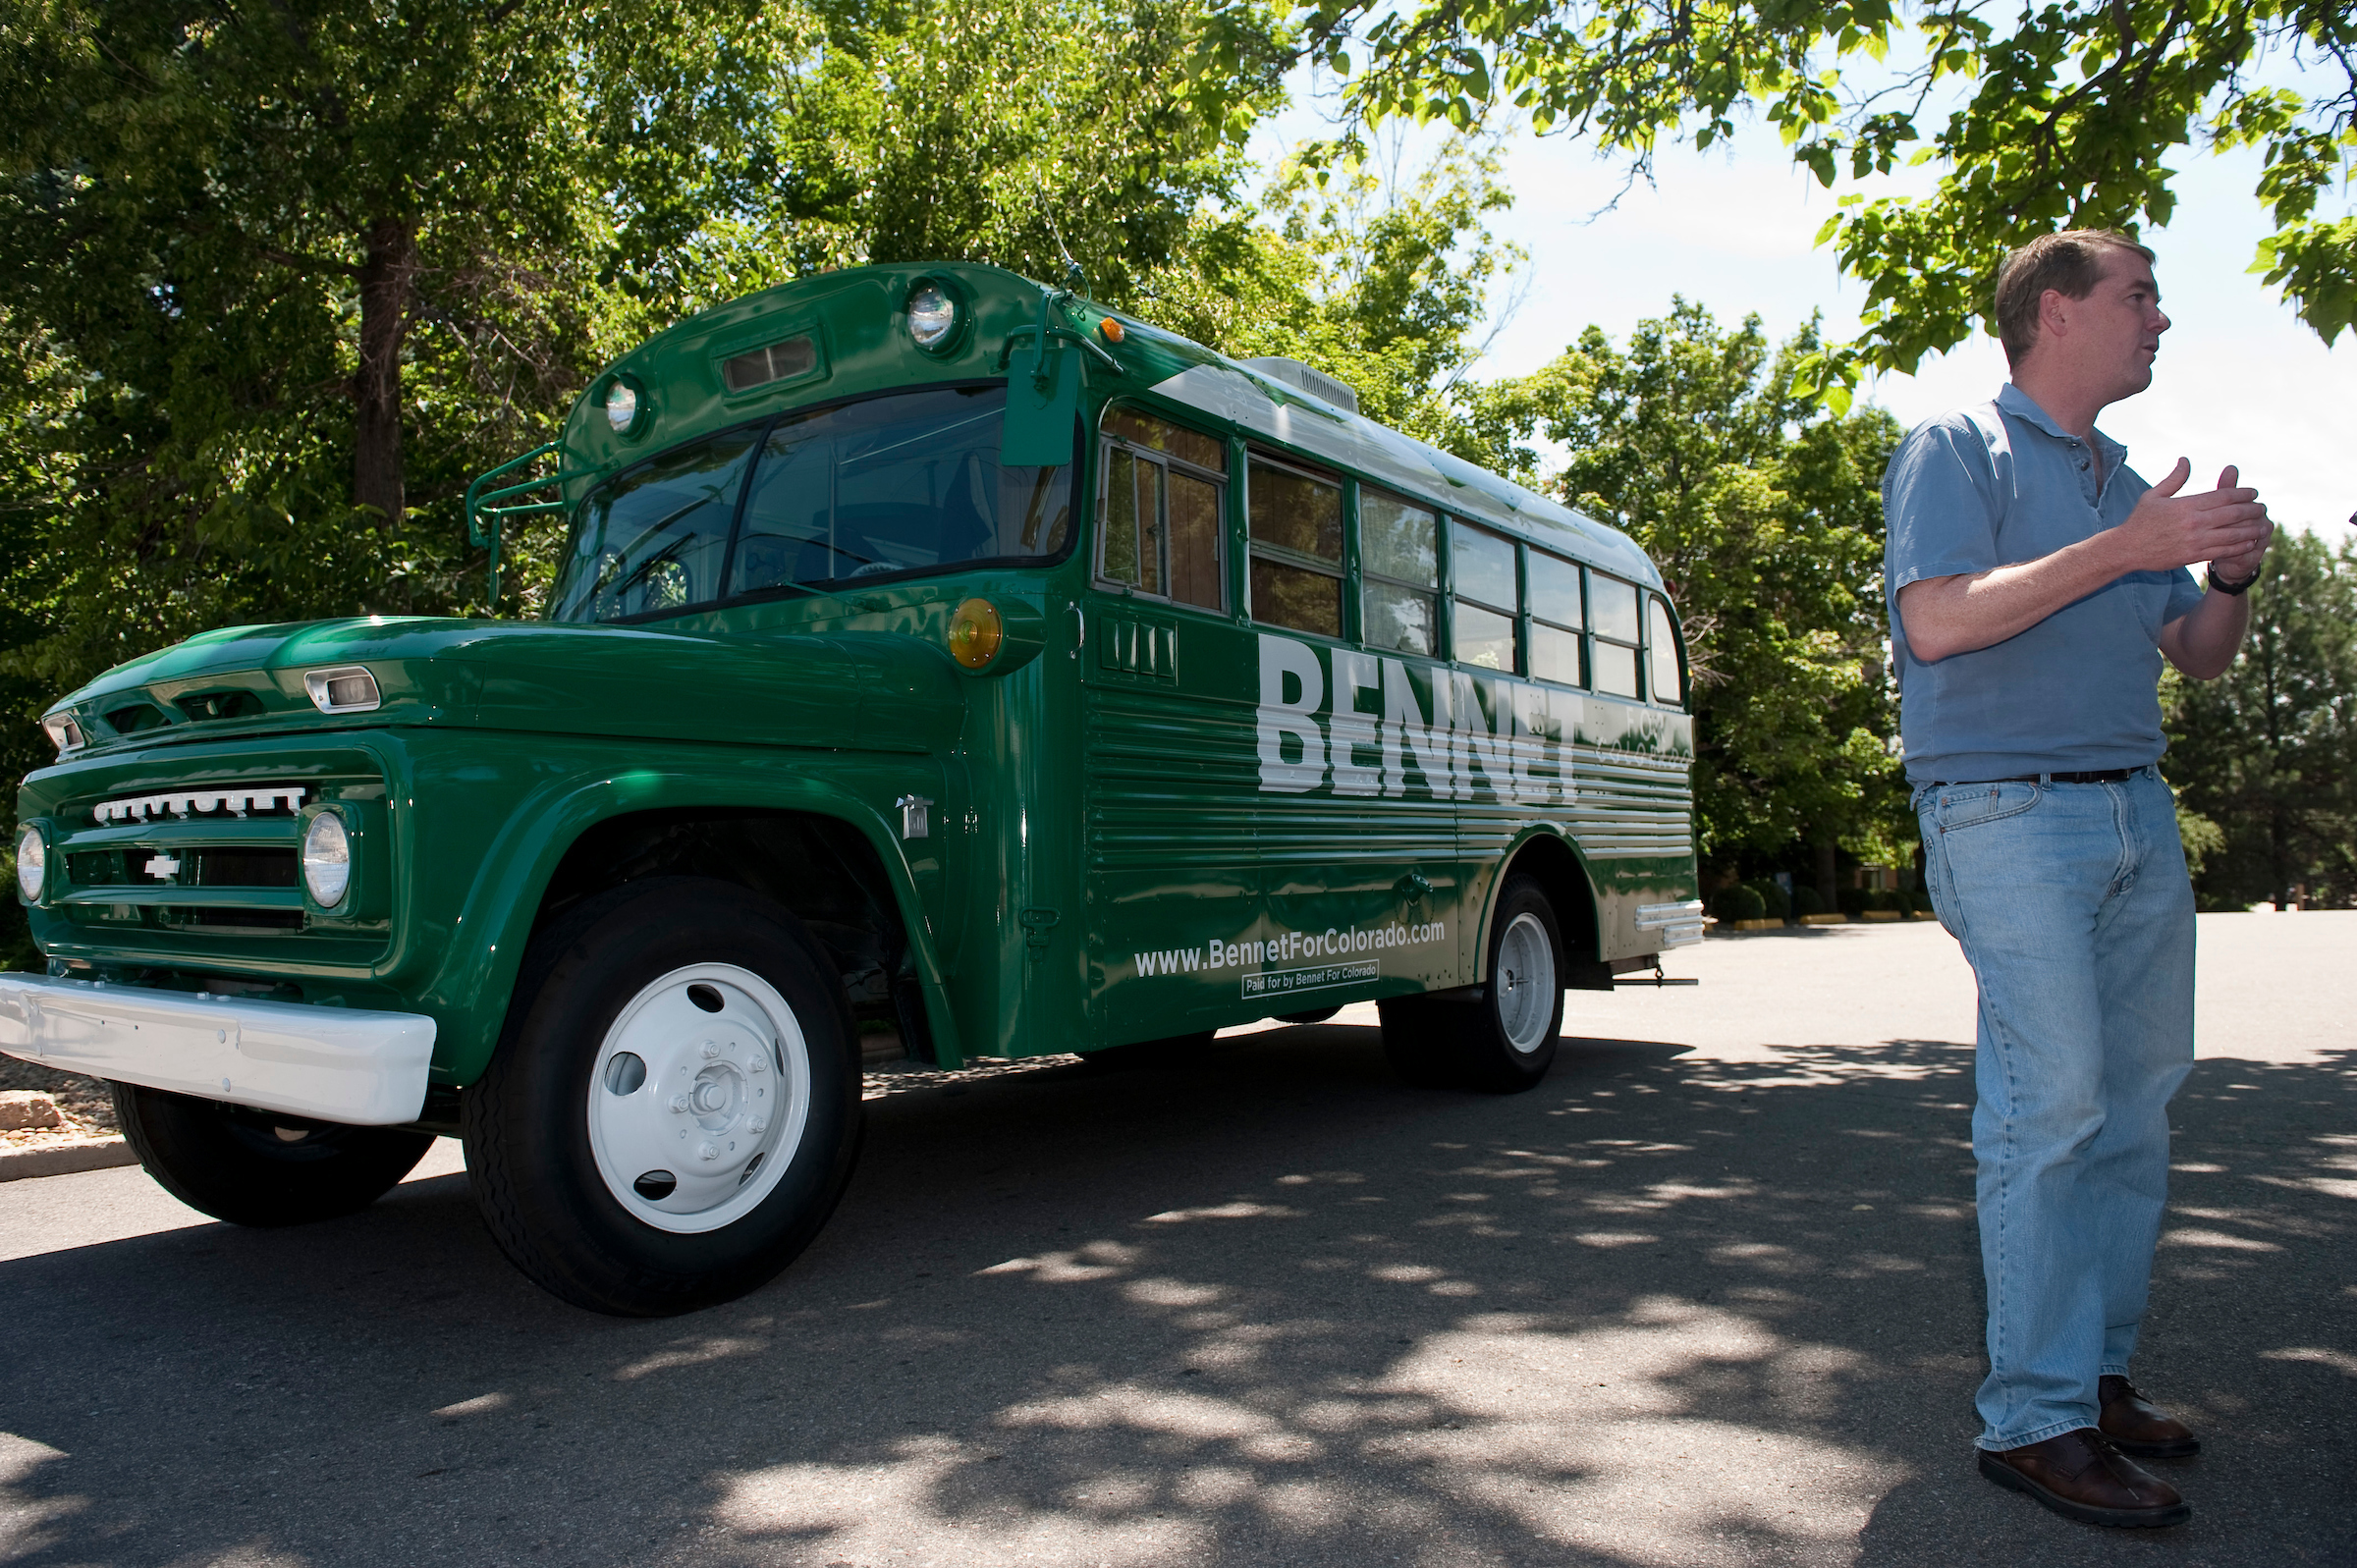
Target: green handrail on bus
(483,515)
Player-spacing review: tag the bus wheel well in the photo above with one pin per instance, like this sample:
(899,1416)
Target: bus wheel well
(1550,862)
(823,870)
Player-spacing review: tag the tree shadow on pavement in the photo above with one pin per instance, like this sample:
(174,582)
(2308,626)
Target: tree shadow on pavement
(1270,1307)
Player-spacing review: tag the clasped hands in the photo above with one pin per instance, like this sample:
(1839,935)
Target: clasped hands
(2228,527)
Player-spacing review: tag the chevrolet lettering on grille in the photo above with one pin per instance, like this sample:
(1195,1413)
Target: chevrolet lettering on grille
(200,802)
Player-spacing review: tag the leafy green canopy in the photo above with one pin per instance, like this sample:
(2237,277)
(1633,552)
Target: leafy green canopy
(2070,114)
(2267,752)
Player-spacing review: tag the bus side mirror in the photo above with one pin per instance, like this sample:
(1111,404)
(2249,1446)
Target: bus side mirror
(1043,408)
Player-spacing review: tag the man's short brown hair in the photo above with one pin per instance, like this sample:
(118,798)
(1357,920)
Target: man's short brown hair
(2070,262)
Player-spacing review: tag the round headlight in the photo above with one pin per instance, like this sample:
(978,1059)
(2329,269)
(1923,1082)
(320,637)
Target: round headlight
(326,859)
(932,315)
(976,633)
(621,407)
(32,863)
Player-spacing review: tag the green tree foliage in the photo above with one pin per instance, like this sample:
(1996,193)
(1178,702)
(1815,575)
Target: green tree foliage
(1765,515)
(1378,275)
(2267,753)
(2062,114)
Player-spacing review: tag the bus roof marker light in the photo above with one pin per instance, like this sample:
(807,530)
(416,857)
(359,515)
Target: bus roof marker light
(621,407)
(976,633)
(932,317)
(1113,330)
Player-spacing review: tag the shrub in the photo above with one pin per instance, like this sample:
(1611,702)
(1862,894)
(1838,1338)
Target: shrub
(1805,901)
(1852,901)
(1777,905)
(1738,902)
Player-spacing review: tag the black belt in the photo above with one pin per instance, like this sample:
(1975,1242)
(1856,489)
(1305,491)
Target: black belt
(2096,776)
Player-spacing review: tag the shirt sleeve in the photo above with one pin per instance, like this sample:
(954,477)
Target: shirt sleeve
(2183,594)
(1939,507)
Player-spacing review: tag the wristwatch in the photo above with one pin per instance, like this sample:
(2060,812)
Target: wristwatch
(2223,586)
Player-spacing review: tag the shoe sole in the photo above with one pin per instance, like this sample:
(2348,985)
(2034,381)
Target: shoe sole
(2013,1480)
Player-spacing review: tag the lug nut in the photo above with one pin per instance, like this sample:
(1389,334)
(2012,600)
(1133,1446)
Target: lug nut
(760,1124)
(759,1064)
(679,1104)
(710,1151)
(711,1048)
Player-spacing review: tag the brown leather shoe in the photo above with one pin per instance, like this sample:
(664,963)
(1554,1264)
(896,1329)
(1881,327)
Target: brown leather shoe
(2080,1476)
(2138,1427)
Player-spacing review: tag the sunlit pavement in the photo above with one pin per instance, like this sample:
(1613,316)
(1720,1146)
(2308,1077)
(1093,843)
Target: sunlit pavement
(1709,1295)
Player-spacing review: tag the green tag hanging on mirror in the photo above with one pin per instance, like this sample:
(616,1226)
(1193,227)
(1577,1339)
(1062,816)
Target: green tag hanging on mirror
(1041,409)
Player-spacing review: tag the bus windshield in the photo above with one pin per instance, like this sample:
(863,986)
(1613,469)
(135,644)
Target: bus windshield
(872,491)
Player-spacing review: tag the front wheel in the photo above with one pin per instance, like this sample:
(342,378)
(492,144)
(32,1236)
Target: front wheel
(256,1167)
(677,1111)
(1503,1042)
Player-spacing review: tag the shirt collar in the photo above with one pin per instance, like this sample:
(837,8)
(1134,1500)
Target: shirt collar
(2021,405)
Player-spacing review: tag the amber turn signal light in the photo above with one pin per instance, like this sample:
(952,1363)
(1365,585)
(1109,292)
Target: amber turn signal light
(1111,330)
(976,633)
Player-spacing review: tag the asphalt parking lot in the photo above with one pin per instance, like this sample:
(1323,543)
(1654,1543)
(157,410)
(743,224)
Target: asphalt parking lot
(1709,1295)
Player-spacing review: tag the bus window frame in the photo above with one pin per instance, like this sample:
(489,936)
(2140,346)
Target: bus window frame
(1578,633)
(1512,613)
(1102,493)
(1677,649)
(1345,485)
(1355,557)
(787,590)
(1588,579)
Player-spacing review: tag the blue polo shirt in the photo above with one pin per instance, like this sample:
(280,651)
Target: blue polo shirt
(1998,484)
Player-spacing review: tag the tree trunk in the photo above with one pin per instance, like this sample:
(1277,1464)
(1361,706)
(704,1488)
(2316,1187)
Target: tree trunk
(1825,875)
(388,274)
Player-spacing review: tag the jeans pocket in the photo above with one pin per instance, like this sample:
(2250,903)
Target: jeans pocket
(1960,806)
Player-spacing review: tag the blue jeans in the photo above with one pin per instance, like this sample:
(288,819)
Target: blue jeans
(2073,908)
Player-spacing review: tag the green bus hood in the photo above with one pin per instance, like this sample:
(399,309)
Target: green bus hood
(851,690)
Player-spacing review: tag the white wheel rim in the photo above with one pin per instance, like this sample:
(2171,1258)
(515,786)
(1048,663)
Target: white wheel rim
(1525,983)
(718,1099)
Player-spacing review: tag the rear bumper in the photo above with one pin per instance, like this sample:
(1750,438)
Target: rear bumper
(330,1063)
(1678,924)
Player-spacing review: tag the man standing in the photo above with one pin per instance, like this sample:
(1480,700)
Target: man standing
(2036,583)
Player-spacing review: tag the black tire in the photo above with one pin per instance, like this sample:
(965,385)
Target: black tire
(608,982)
(1314,1015)
(1175,1051)
(1505,1041)
(254,1168)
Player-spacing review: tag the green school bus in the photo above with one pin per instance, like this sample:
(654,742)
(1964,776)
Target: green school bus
(935,656)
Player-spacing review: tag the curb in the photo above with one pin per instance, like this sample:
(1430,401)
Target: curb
(65,1158)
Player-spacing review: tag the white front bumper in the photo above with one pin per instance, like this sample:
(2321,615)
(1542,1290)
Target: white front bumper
(331,1063)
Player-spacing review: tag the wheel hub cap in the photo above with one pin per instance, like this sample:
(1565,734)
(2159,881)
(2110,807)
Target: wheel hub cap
(700,1092)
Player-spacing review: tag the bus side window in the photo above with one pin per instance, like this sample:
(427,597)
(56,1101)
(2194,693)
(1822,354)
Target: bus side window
(1612,611)
(1297,526)
(1484,598)
(1399,573)
(1661,678)
(1556,619)
(1160,508)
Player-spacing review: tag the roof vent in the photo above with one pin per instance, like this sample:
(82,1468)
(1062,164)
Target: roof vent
(1301,378)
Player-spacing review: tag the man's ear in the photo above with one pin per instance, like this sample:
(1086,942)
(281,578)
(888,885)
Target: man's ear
(2054,313)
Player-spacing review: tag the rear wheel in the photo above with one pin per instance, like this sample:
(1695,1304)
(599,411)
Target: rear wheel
(677,1112)
(1503,1042)
(256,1167)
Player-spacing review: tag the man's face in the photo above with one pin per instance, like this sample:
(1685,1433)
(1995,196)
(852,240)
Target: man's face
(2117,329)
